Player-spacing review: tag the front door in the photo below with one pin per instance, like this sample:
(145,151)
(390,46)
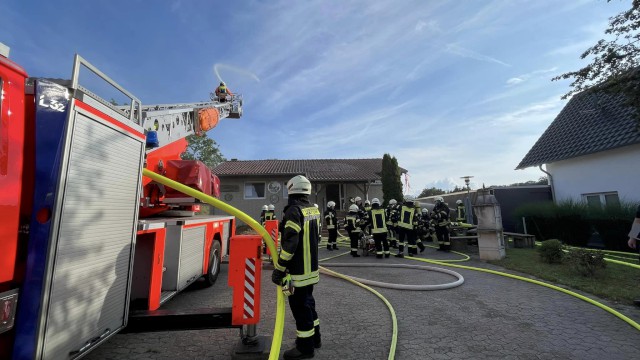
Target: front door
(333,194)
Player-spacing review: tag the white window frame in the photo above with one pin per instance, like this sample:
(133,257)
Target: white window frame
(601,197)
(244,190)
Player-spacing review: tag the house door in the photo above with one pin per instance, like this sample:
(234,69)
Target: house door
(333,194)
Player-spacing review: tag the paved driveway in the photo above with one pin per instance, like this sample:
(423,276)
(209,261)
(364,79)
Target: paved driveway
(488,317)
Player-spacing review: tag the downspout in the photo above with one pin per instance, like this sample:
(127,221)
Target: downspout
(553,192)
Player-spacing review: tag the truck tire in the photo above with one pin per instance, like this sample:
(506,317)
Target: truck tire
(214,264)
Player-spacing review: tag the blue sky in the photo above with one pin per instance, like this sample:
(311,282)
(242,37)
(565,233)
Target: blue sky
(450,88)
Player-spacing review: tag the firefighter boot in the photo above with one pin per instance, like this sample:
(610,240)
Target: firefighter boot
(421,246)
(335,246)
(329,247)
(302,350)
(354,253)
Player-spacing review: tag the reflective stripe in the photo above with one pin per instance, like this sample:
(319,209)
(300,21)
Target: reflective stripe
(290,224)
(378,221)
(305,334)
(331,226)
(279,267)
(306,247)
(304,280)
(285,255)
(316,322)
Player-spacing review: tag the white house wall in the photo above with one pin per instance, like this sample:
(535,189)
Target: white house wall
(612,170)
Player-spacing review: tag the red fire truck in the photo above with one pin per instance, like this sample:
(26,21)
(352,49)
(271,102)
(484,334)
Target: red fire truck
(83,235)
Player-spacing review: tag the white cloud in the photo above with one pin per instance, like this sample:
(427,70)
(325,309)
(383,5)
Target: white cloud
(515,81)
(524,77)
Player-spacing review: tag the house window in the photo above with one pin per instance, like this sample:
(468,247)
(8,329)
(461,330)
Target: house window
(602,199)
(254,190)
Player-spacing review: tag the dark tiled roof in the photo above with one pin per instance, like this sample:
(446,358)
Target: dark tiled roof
(315,170)
(591,122)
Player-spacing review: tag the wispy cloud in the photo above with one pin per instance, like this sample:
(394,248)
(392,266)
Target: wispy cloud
(524,77)
(466,53)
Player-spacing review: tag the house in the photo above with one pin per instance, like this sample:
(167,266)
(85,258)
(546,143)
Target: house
(591,150)
(250,184)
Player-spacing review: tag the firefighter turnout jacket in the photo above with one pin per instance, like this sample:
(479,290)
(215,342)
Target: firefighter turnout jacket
(407,213)
(330,219)
(300,237)
(377,221)
(441,215)
(354,222)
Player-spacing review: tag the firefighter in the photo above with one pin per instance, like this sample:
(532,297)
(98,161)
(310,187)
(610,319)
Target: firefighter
(365,216)
(271,213)
(332,225)
(377,223)
(367,205)
(461,212)
(424,232)
(417,223)
(392,222)
(222,91)
(299,260)
(354,224)
(440,215)
(263,213)
(406,228)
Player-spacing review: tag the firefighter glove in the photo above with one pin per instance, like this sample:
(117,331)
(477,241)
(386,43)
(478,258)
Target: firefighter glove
(277,276)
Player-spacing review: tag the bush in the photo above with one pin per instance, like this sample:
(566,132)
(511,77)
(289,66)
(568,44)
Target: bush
(586,262)
(551,251)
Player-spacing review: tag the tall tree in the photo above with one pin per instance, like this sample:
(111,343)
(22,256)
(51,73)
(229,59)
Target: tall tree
(203,148)
(615,61)
(431,192)
(391,182)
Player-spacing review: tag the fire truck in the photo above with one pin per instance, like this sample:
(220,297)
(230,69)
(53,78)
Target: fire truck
(83,235)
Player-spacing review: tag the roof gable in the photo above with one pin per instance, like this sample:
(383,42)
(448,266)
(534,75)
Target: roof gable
(314,169)
(591,122)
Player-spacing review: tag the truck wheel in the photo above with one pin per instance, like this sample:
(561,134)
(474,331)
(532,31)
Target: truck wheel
(214,264)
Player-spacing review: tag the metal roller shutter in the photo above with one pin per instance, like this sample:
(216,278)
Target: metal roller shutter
(92,263)
(191,256)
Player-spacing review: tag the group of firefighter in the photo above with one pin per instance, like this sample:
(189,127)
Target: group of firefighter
(398,226)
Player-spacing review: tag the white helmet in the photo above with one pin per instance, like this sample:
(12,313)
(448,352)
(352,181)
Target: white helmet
(409,198)
(354,208)
(416,203)
(375,201)
(392,202)
(458,202)
(316,205)
(272,207)
(331,204)
(358,198)
(438,199)
(299,185)
(265,208)
(425,210)
(367,202)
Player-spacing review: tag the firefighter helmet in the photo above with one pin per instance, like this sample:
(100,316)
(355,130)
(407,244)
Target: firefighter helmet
(458,202)
(409,198)
(265,208)
(331,204)
(299,185)
(316,205)
(438,199)
(222,83)
(354,208)
(272,207)
(358,198)
(375,201)
(367,202)
(425,211)
(392,202)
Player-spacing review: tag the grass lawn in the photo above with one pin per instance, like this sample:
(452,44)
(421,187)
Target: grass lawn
(615,282)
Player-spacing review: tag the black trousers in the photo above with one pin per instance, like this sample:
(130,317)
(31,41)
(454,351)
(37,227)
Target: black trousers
(442,232)
(408,237)
(333,236)
(303,308)
(355,238)
(381,243)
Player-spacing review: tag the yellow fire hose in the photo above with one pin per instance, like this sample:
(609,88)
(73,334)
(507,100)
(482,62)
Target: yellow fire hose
(279,324)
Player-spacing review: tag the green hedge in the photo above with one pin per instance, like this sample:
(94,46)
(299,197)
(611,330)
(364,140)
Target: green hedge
(575,222)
